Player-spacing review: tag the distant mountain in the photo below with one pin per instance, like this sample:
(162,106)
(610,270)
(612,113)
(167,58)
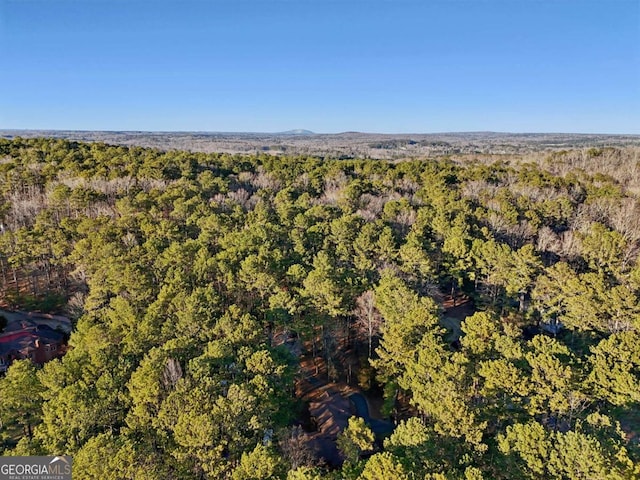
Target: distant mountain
(298,131)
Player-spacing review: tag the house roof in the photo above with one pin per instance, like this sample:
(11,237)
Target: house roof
(17,325)
(24,341)
(6,349)
(15,336)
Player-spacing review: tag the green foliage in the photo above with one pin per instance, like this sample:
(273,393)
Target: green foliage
(413,443)
(259,464)
(439,385)
(534,452)
(355,439)
(304,473)
(615,363)
(194,266)
(407,318)
(587,302)
(481,333)
(21,398)
(602,248)
(325,287)
(109,456)
(383,465)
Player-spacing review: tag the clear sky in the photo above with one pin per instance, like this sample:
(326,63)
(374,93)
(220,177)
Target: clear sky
(323,65)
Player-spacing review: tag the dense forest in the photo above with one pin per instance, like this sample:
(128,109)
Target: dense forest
(189,276)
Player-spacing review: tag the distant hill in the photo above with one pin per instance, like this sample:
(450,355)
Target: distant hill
(298,131)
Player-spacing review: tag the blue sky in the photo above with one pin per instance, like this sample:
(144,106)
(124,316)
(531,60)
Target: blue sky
(327,66)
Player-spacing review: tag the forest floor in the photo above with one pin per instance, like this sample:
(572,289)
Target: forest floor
(454,315)
(36,292)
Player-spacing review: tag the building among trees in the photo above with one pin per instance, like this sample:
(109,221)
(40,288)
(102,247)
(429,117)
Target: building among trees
(26,339)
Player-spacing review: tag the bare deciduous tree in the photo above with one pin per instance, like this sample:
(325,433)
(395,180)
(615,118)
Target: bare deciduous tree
(294,445)
(368,319)
(171,374)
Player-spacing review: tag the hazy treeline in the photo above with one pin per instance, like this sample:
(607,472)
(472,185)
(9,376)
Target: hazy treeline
(351,144)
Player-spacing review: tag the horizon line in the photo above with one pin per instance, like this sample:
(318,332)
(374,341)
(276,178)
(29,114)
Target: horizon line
(304,132)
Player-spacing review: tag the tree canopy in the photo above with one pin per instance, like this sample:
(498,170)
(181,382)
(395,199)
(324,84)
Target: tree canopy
(195,280)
